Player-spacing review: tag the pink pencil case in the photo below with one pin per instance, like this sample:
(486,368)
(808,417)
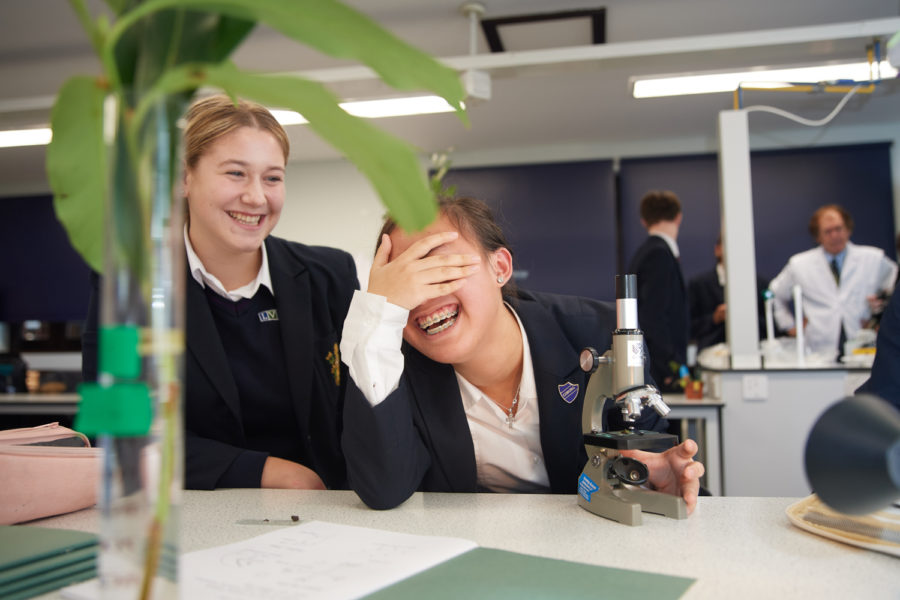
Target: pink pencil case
(44,471)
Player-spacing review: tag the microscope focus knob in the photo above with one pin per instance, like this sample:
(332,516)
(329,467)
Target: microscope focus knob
(589,360)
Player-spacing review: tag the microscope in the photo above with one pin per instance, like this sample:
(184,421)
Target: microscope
(608,486)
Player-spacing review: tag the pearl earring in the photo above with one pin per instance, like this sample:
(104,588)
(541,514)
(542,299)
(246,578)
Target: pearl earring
(499,280)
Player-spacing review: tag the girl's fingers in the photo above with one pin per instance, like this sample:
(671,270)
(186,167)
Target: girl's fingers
(436,290)
(422,247)
(444,274)
(383,252)
(449,260)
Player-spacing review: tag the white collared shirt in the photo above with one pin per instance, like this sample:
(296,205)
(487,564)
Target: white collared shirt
(506,459)
(205,278)
(673,245)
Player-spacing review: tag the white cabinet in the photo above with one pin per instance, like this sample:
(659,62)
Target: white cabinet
(766,418)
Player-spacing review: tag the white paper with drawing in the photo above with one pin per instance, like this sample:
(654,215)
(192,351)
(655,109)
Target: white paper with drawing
(312,560)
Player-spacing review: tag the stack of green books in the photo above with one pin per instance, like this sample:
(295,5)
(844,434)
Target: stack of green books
(36,560)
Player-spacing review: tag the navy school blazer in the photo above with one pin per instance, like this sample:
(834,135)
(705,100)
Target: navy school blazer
(313,289)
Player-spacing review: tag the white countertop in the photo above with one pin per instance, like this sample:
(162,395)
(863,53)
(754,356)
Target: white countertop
(733,547)
(682,400)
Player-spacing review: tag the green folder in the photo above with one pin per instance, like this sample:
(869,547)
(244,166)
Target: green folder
(51,584)
(59,561)
(36,560)
(20,545)
(486,573)
(58,577)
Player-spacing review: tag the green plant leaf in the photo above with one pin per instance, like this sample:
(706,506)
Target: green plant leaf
(76,165)
(390,164)
(174,37)
(171,37)
(337,30)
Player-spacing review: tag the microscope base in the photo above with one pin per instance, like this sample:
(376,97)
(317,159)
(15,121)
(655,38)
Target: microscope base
(621,503)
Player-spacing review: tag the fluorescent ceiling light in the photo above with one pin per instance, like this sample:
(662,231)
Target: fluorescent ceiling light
(288,117)
(371,109)
(376,109)
(25,137)
(397,107)
(678,85)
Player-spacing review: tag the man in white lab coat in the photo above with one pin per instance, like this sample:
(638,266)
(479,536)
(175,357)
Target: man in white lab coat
(838,280)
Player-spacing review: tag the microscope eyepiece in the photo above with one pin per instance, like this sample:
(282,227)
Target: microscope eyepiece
(626,303)
(626,286)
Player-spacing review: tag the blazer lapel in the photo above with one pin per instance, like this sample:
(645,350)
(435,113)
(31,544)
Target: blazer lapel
(558,379)
(205,346)
(292,299)
(444,420)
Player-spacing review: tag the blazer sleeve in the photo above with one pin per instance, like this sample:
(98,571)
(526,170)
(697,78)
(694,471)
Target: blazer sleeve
(386,456)
(211,464)
(884,381)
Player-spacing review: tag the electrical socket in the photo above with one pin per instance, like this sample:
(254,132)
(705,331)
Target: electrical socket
(756,387)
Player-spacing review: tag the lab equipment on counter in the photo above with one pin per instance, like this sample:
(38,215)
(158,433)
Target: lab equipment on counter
(608,486)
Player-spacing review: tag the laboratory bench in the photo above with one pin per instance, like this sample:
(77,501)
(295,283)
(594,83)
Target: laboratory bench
(733,547)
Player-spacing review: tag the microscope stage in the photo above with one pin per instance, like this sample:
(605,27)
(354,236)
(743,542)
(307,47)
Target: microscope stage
(631,440)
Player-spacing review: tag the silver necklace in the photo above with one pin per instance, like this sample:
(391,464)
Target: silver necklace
(511,412)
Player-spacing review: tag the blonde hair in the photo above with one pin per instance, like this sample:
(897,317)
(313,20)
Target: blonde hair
(211,118)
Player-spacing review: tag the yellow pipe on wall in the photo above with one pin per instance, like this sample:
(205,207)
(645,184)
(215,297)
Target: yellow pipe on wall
(803,87)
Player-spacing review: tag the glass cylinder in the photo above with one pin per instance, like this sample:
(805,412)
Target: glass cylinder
(135,407)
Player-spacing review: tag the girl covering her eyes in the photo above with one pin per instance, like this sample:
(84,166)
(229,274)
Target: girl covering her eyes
(462,383)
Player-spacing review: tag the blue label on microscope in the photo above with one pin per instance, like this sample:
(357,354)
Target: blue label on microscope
(586,487)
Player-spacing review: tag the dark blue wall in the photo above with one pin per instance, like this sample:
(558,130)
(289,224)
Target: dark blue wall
(41,276)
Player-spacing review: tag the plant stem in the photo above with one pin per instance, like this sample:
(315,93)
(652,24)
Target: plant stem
(84,16)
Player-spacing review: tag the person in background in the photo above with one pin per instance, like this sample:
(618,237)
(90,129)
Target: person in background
(840,282)
(264,382)
(662,294)
(462,383)
(707,303)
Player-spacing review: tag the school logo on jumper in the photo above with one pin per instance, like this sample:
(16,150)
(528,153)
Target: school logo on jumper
(268,315)
(334,359)
(568,391)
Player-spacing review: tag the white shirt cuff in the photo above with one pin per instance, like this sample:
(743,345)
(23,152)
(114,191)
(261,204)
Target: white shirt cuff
(370,344)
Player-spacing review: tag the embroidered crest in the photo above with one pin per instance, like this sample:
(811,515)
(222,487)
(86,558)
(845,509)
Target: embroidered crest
(268,315)
(334,359)
(568,391)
